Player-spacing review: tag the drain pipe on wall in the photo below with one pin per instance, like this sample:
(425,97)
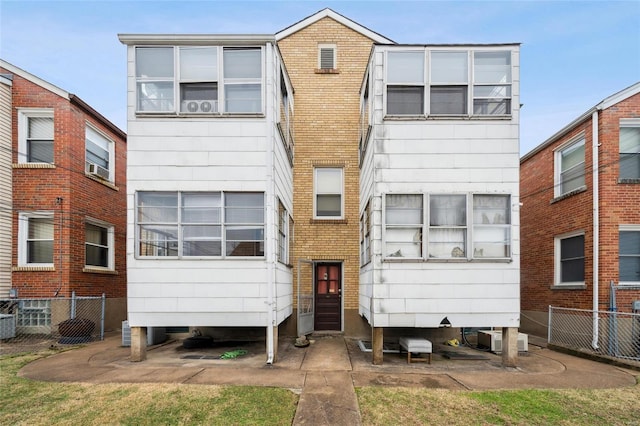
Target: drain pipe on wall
(270,247)
(596,225)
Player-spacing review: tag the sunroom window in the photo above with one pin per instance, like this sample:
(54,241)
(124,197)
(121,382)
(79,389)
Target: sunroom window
(154,76)
(449,83)
(492,83)
(404,219)
(405,83)
(199,79)
(242,79)
(447,226)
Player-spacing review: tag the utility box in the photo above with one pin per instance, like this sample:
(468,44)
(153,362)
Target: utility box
(7,326)
(635,306)
(155,335)
(492,339)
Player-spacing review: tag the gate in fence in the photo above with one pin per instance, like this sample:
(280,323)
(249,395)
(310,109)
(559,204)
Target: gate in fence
(610,333)
(29,324)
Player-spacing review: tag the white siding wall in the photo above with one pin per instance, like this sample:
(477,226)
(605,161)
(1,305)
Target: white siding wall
(206,154)
(441,156)
(5,186)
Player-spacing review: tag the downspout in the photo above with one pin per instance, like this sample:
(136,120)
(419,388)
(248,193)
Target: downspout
(269,204)
(596,226)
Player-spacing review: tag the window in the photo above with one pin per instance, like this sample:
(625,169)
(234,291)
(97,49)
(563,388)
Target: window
(629,149)
(242,79)
(629,256)
(283,234)
(448,226)
(36,135)
(459,226)
(457,82)
(195,81)
(449,83)
(569,164)
(328,193)
(570,260)
(154,79)
(404,219)
(200,224)
(99,245)
(99,152)
(492,83)
(34,313)
(35,244)
(405,83)
(199,79)
(327,56)
(365,235)
(491,226)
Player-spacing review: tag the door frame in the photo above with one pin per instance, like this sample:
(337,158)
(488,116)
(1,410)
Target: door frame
(340,263)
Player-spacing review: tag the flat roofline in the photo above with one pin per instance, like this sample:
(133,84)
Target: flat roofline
(194,39)
(448,44)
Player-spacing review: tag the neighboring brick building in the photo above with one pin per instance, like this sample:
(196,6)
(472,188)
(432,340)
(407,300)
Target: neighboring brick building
(69,198)
(581,228)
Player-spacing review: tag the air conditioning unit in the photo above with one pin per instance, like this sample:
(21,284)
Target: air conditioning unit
(199,107)
(99,171)
(155,335)
(492,339)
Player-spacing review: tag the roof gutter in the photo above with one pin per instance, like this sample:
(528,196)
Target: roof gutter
(194,39)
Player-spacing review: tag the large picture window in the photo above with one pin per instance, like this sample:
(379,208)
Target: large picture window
(200,224)
(458,226)
(457,82)
(196,80)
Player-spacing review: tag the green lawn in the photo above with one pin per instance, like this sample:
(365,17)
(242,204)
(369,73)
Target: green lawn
(26,402)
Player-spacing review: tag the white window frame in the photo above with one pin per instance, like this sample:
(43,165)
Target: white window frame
(316,193)
(24,114)
(470,228)
(628,123)
(557,266)
(110,148)
(407,83)
(23,236)
(224,223)
(283,234)
(365,235)
(221,81)
(110,244)
(334,49)
(627,228)
(557,165)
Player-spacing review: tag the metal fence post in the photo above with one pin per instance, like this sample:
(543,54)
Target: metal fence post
(549,327)
(72,314)
(104,300)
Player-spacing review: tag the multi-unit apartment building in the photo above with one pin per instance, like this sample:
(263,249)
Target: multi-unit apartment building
(322,179)
(63,200)
(581,214)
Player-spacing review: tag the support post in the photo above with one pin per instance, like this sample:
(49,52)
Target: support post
(274,354)
(138,344)
(509,346)
(377,342)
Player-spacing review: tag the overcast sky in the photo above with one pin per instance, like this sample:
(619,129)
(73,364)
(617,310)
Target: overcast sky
(573,55)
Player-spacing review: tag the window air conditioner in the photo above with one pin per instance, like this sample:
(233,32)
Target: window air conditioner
(493,340)
(99,171)
(199,107)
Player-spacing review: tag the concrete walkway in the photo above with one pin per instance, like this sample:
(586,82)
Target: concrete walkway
(325,373)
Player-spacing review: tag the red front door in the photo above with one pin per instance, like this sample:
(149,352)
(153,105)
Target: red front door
(328,296)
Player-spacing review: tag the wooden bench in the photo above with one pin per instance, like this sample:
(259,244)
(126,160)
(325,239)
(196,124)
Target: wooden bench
(416,345)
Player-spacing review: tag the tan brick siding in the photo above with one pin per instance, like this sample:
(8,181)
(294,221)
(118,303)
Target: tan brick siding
(326,133)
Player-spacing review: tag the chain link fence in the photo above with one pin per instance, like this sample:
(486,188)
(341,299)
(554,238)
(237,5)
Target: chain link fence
(614,334)
(37,323)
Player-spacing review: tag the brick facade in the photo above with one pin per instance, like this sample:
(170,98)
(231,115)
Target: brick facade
(543,218)
(71,195)
(326,134)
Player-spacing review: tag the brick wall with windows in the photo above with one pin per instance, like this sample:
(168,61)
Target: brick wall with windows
(326,120)
(545,218)
(64,190)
